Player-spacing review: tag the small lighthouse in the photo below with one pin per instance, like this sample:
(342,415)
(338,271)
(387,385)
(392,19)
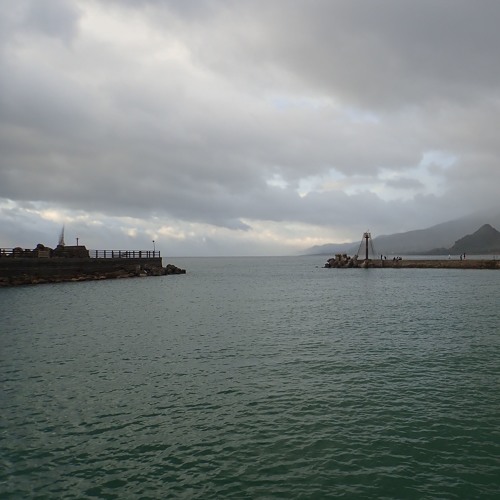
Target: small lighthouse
(367,242)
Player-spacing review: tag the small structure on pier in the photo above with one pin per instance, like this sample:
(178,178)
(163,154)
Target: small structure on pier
(61,238)
(365,248)
(367,243)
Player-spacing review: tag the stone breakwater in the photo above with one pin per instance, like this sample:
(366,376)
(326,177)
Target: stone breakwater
(438,264)
(344,261)
(19,271)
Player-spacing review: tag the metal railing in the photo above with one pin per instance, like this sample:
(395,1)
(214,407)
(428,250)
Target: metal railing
(95,254)
(17,252)
(124,254)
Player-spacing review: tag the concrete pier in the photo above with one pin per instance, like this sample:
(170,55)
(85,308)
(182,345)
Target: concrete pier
(20,266)
(435,264)
(345,261)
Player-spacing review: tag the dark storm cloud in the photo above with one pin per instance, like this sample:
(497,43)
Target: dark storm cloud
(378,54)
(233,114)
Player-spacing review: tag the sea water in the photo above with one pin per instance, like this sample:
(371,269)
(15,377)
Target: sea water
(253,378)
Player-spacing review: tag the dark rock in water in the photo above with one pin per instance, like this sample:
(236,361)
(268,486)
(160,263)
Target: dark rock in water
(171,269)
(150,270)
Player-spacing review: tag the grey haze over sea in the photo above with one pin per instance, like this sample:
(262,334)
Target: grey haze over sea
(253,378)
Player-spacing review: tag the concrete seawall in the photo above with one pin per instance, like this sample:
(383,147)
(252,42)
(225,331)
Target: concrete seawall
(14,271)
(435,264)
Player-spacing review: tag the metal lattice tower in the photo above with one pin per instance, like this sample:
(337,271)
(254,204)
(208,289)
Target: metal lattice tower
(368,244)
(61,238)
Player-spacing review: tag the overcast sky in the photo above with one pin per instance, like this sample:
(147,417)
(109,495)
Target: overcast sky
(257,127)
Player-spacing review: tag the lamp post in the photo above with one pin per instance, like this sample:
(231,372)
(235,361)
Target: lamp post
(154,248)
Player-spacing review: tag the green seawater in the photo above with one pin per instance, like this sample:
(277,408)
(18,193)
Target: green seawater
(253,378)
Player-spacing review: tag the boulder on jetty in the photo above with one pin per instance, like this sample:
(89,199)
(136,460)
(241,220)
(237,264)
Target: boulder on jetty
(171,269)
(151,270)
(342,260)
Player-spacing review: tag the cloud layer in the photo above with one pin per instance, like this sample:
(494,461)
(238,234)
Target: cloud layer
(227,127)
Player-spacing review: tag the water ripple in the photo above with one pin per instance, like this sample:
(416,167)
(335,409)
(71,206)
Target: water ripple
(253,382)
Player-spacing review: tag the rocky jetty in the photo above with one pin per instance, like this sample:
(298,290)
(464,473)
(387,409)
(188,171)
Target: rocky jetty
(140,271)
(21,266)
(171,269)
(343,260)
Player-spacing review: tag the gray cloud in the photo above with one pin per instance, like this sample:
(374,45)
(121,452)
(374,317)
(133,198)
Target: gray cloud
(243,120)
(405,183)
(56,19)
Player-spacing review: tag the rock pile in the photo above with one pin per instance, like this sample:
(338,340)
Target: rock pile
(171,269)
(342,260)
(140,271)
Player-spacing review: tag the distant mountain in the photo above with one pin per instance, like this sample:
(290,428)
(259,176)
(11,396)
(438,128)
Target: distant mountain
(331,249)
(442,236)
(484,241)
(422,240)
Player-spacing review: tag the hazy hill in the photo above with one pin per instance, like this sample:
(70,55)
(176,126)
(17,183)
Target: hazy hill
(331,248)
(442,235)
(485,240)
